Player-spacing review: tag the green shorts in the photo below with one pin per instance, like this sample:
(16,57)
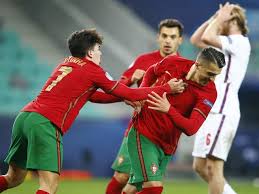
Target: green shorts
(36,143)
(150,161)
(122,161)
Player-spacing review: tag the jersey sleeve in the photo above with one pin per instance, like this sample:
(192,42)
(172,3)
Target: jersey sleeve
(228,45)
(190,125)
(136,94)
(120,90)
(101,97)
(169,63)
(149,77)
(161,67)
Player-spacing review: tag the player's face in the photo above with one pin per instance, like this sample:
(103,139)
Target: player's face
(169,41)
(206,73)
(96,54)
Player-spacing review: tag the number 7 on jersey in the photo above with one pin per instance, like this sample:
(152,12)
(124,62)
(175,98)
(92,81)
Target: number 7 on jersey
(65,71)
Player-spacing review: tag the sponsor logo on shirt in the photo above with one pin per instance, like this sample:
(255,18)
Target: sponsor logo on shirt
(207,102)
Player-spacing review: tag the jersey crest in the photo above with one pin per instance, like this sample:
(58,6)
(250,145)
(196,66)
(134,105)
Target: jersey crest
(154,168)
(120,160)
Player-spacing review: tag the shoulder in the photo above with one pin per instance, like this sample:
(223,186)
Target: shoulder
(235,41)
(237,45)
(178,61)
(144,60)
(211,91)
(92,68)
(148,55)
(174,64)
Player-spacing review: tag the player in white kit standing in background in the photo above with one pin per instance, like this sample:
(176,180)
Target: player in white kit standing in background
(226,30)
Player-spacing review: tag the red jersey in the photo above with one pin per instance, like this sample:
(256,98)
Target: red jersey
(71,85)
(142,62)
(187,112)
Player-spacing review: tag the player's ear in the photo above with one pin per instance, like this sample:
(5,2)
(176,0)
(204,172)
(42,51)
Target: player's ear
(182,39)
(90,53)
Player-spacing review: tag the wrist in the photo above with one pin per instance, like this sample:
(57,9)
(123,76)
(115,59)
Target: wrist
(210,20)
(132,80)
(219,21)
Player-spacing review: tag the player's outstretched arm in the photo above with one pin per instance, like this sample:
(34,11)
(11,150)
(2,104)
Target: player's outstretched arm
(136,94)
(172,86)
(101,80)
(103,98)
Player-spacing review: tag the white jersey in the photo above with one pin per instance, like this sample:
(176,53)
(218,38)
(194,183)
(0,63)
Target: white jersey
(237,51)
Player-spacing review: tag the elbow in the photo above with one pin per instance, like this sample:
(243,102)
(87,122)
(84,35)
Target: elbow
(196,42)
(193,40)
(91,100)
(206,39)
(191,132)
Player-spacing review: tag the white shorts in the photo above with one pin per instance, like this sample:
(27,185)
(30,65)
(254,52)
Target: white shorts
(215,136)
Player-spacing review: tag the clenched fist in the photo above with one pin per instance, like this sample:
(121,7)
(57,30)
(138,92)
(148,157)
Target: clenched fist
(137,75)
(177,86)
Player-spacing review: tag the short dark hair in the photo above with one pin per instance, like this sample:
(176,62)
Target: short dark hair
(80,42)
(212,55)
(171,23)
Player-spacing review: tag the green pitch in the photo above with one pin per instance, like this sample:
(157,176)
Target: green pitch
(97,186)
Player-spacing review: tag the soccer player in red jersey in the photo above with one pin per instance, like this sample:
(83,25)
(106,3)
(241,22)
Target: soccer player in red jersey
(154,136)
(37,131)
(169,38)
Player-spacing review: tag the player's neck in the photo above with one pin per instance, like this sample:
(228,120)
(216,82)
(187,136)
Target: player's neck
(165,55)
(191,73)
(91,59)
(234,30)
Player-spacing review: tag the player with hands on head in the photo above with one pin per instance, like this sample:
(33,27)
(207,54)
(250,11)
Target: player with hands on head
(227,31)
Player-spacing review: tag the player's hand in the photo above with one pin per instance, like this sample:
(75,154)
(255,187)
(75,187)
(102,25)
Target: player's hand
(158,103)
(137,105)
(215,14)
(177,86)
(137,75)
(225,12)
